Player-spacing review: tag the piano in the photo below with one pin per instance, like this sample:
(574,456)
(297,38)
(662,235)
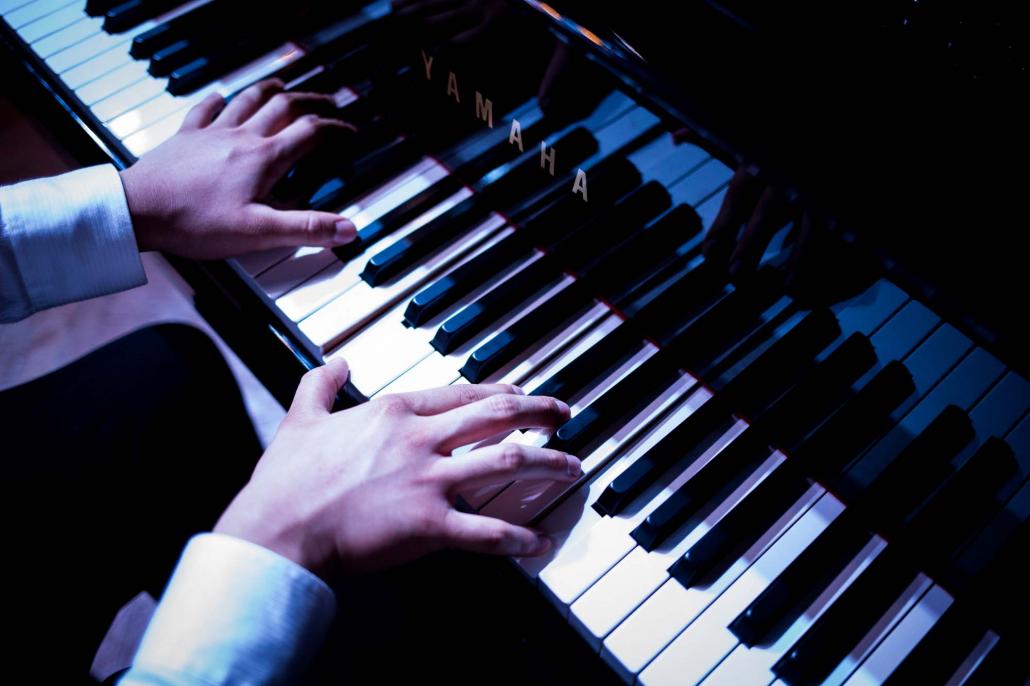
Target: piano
(810,470)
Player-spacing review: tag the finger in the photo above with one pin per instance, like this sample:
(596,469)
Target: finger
(481,534)
(272,228)
(436,400)
(504,463)
(496,414)
(737,205)
(246,103)
(771,213)
(203,113)
(318,388)
(300,138)
(285,108)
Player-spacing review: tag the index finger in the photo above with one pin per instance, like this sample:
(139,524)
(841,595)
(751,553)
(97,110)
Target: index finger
(494,415)
(436,400)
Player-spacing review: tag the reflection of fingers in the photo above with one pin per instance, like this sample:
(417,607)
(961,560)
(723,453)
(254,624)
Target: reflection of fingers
(736,207)
(285,108)
(204,112)
(272,228)
(248,102)
(771,213)
(300,138)
(494,415)
(504,463)
(436,400)
(481,534)
(318,388)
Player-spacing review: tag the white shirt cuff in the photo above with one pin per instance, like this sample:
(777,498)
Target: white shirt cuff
(71,236)
(233,613)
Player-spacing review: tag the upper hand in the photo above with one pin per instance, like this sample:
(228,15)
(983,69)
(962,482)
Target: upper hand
(203,192)
(375,485)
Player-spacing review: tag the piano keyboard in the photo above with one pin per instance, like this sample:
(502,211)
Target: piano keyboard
(761,481)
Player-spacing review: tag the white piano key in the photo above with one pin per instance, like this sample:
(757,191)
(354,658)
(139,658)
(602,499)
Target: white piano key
(8,6)
(53,22)
(142,142)
(760,659)
(33,11)
(118,79)
(96,67)
(256,262)
(127,98)
(899,609)
(905,636)
(341,317)
(146,114)
(523,501)
(531,381)
(74,55)
(67,37)
(432,372)
(301,289)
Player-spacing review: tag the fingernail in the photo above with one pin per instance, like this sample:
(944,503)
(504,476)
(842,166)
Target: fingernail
(517,390)
(563,407)
(575,467)
(345,231)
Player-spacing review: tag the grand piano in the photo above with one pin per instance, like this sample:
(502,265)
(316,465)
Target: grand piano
(769,254)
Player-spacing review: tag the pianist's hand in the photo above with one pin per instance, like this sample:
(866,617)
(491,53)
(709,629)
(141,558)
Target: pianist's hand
(202,193)
(374,486)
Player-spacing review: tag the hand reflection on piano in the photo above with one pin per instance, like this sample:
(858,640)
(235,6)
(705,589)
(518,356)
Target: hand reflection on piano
(819,270)
(452,21)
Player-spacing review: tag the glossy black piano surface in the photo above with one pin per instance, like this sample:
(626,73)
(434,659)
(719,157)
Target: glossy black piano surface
(804,464)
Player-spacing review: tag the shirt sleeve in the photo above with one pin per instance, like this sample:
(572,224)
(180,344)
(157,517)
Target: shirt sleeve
(233,613)
(65,238)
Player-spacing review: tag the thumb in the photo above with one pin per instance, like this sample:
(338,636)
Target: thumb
(318,388)
(282,228)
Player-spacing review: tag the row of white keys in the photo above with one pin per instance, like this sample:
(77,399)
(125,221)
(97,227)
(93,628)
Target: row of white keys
(344,315)
(8,6)
(442,370)
(699,648)
(304,282)
(53,23)
(34,11)
(385,350)
(150,137)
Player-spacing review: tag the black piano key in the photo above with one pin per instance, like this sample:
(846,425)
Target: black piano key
(473,318)
(201,20)
(168,58)
(571,379)
(96,8)
(941,651)
(744,524)
(751,515)
(369,171)
(503,347)
(909,479)
(829,639)
(132,13)
(432,236)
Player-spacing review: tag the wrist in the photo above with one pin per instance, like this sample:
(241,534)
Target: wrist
(144,213)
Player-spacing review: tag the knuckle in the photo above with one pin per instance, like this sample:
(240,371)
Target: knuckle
(556,462)
(503,406)
(393,405)
(468,394)
(495,536)
(315,228)
(512,457)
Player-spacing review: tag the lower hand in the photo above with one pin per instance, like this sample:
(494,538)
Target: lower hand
(202,193)
(375,485)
